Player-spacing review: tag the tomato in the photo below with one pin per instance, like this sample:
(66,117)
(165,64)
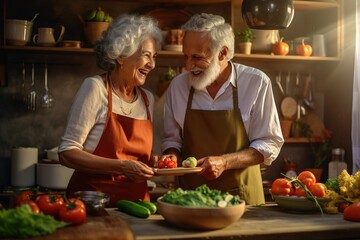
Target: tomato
(167,163)
(34,207)
(318,190)
(282,186)
(73,211)
(300,192)
(307,178)
(304,49)
(352,212)
(50,204)
(161,164)
(23,197)
(280,48)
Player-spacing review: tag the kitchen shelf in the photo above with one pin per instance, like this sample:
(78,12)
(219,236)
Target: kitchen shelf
(301,5)
(302,140)
(237,56)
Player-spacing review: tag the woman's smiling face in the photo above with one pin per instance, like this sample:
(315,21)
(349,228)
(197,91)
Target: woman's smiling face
(137,66)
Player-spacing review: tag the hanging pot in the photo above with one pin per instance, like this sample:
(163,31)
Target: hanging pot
(267,14)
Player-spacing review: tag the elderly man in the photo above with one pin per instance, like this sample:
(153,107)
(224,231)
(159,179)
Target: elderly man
(220,112)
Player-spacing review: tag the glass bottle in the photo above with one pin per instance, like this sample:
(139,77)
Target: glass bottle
(337,163)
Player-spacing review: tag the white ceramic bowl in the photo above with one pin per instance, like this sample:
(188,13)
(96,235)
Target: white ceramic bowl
(17,32)
(53,176)
(200,218)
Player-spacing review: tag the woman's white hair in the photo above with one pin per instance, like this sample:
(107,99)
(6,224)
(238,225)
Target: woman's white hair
(123,37)
(220,33)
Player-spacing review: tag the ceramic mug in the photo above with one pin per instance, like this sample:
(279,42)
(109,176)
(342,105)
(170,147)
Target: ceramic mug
(318,45)
(45,36)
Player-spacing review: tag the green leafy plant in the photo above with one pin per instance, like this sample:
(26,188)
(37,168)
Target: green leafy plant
(97,15)
(246,35)
(320,146)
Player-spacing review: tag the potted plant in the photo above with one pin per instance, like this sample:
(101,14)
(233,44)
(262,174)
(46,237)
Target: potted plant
(165,81)
(95,21)
(321,149)
(246,37)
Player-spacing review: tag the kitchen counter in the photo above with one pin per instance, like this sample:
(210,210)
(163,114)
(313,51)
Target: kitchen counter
(266,222)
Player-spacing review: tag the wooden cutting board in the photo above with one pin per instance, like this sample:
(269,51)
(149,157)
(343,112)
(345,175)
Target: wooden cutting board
(104,227)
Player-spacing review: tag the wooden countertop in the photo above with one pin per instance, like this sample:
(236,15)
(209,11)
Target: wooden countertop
(266,222)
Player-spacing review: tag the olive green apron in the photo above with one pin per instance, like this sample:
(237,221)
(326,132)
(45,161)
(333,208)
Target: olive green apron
(213,133)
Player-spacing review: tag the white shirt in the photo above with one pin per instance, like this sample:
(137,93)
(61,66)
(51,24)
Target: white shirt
(256,103)
(88,114)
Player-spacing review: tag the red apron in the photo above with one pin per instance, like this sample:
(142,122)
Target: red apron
(123,138)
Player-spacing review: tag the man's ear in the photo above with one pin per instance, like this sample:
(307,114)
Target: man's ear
(222,54)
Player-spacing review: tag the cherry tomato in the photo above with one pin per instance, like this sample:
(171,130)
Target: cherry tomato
(161,164)
(300,192)
(50,204)
(23,197)
(167,163)
(73,211)
(34,207)
(282,186)
(307,178)
(318,190)
(352,212)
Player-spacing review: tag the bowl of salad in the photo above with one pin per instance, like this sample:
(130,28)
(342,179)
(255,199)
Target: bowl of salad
(201,208)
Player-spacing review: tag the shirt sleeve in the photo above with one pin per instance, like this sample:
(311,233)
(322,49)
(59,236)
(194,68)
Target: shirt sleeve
(264,129)
(86,111)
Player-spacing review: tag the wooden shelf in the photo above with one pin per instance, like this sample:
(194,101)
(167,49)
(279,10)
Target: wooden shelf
(301,140)
(303,5)
(237,56)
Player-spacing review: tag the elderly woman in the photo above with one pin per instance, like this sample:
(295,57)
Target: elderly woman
(108,137)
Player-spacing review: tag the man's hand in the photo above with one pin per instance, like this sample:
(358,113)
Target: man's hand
(212,166)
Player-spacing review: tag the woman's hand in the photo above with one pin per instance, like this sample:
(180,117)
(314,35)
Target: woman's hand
(137,171)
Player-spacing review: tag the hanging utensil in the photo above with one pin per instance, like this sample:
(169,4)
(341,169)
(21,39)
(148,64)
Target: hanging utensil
(46,97)
(32,95)
(287,83)
(23,89)
(33,19)
(308,94)
(278,82)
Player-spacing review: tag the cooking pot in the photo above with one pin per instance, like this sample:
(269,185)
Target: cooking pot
(53,176)
(17,32)
(264,40)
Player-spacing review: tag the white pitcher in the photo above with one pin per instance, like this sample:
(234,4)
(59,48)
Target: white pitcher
(45,36)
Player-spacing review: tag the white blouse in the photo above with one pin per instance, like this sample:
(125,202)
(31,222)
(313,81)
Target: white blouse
(256,103)
(89,110)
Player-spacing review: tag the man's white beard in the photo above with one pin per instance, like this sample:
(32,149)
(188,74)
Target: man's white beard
(208,77)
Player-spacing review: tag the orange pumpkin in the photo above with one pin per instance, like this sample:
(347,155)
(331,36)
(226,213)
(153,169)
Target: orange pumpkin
(304,49)
(280,48)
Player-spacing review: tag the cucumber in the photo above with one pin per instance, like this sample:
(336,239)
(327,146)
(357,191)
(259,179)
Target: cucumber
(149,205)
(133,208)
